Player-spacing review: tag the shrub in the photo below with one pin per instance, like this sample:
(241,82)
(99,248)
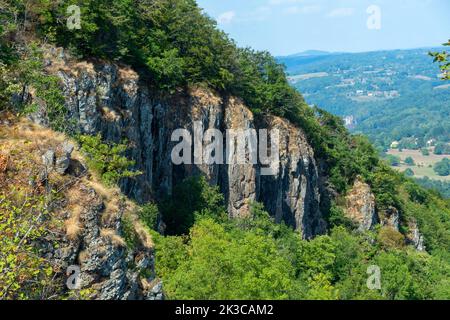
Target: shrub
(229,265)
(442,168)
(390,238)
(337,218)
(409,161)
(27,74)
(444,63)
(393,161)
(416,193)
(442,148)
(129,232)
(190,198)
(409,172)
(107,159)
(148,214)
(23,273)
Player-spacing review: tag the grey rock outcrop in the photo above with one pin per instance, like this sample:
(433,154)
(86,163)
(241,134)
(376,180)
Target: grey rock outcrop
(48,160)
(58,160)
(414,237)
(113,101)
(156,292)
(390,217)
(360,205)
(108,268)
(62,163)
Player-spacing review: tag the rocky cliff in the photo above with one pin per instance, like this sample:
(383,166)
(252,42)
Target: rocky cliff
(94,223)
(103,97)
(80,227)
(360,208)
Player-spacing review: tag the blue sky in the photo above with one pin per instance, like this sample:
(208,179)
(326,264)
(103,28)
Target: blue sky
(290,26)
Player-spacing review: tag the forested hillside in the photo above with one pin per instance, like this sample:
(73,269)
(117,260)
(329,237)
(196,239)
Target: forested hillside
(200,251)
(387,95)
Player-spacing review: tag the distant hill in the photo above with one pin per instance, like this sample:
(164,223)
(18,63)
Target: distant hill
(388,95)
(311,53)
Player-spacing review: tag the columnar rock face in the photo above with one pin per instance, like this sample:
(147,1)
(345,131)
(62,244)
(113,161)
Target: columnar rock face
(414,237)
(292,195)
(361,205)
(113,101)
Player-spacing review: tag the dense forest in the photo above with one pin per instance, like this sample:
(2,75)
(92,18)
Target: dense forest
(208,256)
(442,187)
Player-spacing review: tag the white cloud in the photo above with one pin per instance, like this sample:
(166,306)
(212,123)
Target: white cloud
(226,17)
(341,12)
(302,10)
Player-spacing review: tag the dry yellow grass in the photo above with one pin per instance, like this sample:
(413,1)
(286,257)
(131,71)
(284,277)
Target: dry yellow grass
(126,73)
(111,197)
(105,192)
(73,228)
(73,225)
(148,285)
(112,235)
(110,115)
(3,162)
(24,143)
(144,236)
(77,197)
(111,211)
(74,195)
(38,134)
(204,97)
(82,257)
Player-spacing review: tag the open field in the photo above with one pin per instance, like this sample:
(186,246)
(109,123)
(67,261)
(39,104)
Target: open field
(422,163)
(307,76)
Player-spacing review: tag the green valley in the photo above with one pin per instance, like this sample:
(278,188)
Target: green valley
(387,95)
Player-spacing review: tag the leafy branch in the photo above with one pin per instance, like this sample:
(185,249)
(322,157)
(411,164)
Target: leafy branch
(444,63)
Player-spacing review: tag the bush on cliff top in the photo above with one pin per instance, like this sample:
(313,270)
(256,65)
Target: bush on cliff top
(107,159)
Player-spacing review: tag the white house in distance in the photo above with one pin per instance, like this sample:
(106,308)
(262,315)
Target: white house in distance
(431,143)
(395,144)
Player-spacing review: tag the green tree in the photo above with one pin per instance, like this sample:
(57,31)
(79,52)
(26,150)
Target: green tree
(149,214)
(107,159)
(442,168)
(409,161)
(409,172)
(190,198)
(23,223)
(248,266)
(442,148)
(442,59)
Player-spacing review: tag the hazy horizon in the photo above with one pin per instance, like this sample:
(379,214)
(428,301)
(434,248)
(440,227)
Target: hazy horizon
(356,52)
